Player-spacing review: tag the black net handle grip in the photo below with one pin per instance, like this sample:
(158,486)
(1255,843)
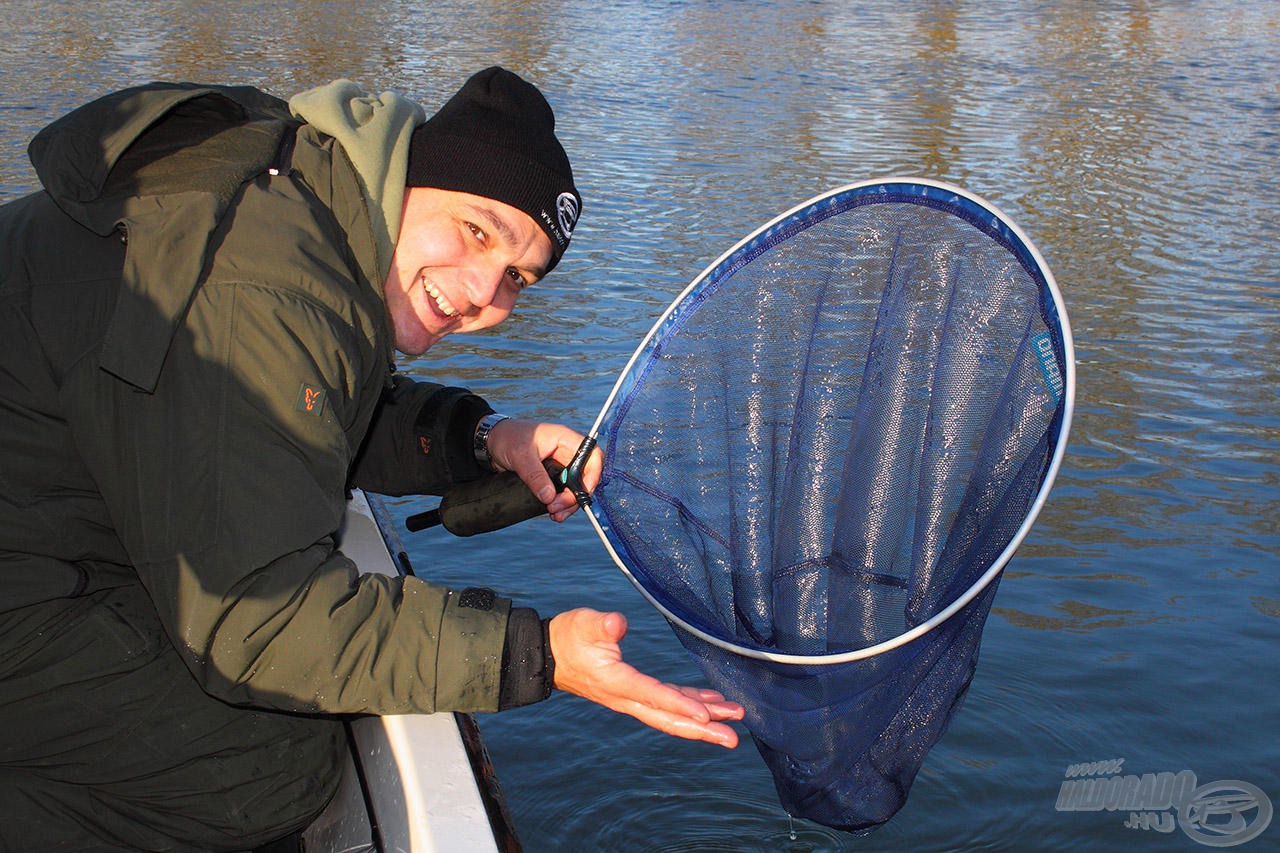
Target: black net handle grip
(573,474)
(487,504)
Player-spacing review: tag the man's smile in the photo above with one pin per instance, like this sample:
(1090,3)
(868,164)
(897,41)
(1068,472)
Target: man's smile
(434,294)
(459,265)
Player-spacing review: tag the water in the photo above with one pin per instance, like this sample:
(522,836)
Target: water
(1135,142)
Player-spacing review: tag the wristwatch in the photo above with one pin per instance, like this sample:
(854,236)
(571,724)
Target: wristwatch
(480,441)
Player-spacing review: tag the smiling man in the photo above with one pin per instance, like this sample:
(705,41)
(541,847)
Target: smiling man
(198,314)
(461,266)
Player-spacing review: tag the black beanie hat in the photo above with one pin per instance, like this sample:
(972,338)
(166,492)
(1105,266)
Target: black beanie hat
(496,138)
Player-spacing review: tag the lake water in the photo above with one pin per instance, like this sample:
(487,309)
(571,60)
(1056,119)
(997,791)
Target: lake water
(1137,143)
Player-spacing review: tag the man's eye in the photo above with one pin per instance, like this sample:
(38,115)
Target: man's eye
(476,230)
(517,278)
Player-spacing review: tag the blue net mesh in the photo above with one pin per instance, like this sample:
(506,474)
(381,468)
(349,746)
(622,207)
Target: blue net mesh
(832,437)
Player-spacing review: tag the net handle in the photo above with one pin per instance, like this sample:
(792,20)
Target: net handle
(573,474)
(1069,395)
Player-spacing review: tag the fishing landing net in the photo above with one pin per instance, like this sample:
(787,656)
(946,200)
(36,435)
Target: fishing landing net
(818,462)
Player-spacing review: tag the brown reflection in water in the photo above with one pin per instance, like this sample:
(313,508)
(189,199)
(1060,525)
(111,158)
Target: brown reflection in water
(713,114)
(1230,572)
(1085,155)
(1266,606)
(1078,616)
(937,80)
(1093,137)
(283,47)
(719,110)
(1099,576)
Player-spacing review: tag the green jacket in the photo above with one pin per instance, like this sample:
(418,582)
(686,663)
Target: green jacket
(195,363)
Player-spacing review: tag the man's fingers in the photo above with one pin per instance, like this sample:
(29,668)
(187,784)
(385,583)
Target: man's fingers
(563,506)
(668,710)
(589,663)
(535,477)
(702,694)
(591,471)
(613,627)
(664,698)
(520,446)
(566,452)
(695,703)
(681,726)
(720,708)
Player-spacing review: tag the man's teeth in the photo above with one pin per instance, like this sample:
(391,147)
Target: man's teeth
(443,304)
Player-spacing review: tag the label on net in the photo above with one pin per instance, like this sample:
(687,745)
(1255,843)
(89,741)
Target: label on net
(1042,345)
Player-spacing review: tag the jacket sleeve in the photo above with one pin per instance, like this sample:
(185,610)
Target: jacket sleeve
(226,487)
(420,440)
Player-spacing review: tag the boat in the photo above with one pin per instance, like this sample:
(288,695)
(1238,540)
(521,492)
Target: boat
(412,782)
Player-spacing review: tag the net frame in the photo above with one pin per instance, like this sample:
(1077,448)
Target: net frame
(799,218)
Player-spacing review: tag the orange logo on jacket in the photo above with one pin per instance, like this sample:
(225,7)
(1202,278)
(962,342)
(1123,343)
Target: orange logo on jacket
(310,399)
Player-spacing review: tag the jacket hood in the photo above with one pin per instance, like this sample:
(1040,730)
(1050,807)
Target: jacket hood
(156,140)
(161,163)
(374,133)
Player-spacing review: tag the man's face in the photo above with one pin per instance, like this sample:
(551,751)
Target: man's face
(459,265)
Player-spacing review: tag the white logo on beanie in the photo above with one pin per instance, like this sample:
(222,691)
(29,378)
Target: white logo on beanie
(567,211)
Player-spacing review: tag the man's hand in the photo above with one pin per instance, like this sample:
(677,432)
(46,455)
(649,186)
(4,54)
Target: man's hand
(589,664)
(520,446)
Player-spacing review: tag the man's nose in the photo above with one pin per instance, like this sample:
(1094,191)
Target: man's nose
(483,284)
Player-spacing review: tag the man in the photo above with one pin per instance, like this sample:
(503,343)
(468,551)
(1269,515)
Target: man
(197,317)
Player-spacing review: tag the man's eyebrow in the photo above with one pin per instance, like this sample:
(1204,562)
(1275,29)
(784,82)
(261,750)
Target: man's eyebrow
(504,228)
(499,224)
